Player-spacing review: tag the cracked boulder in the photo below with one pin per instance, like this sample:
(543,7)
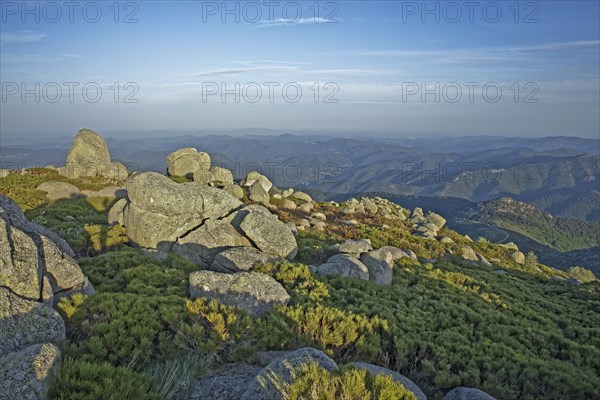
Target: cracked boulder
(242,259)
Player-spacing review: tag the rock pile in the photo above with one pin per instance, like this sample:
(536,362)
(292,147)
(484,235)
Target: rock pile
(427,227)
(89,156)
(36,269)
(375,206)
(200,222)
(357,259)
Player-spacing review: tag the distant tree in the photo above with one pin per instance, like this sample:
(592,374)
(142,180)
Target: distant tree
(582,274)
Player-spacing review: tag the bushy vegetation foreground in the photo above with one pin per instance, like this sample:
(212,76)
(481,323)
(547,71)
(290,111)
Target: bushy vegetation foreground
(442,323)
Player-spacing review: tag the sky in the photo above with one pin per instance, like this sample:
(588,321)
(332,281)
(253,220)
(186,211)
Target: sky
(382,68)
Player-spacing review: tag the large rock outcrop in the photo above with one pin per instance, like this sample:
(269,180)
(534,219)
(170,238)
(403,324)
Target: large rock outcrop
(32,257)
(89,156)
(36,269)
(250,291)
(198,221)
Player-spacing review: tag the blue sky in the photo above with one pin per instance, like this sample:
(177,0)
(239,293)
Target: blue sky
(371,62)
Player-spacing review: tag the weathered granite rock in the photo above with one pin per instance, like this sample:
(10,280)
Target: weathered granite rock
(59,190)
(26,322)
(242,259)
(344,265)
(250,291)
(227,383)
(26,374)
(404,381)
(184,162)
(281,371)
(380,264)
(464,393)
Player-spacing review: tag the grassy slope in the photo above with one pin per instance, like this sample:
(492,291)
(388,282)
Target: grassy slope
(519,336)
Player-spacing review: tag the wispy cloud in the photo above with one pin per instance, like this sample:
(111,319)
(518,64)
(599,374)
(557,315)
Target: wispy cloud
(296,22)
(559,46)
(505,53)
(236,71)
(22,37)
(67,55)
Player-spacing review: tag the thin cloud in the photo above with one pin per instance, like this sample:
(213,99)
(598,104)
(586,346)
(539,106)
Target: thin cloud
(22,37)
(295,22)
(237,71)
(67,55)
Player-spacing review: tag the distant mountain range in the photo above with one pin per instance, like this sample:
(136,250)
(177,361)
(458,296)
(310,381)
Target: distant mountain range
(560,175)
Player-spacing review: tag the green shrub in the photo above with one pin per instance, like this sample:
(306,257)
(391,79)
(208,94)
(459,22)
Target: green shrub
(314,383)
(297,280)
(116,327)
(129,270)
(81,380)
(582,274)
(214,328)
(339,333)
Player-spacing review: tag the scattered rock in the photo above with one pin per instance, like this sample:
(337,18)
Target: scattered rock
(26,374)
(258,194)
(344,265)
(380,264)
(228,383)
(26,322)
(254,177)
(281,372)
(464,393)
(482,260)
(222,175)
(287,204)
(517,257)
(267,232)
(59,190)
(501,272)
(306,207)
(401,379)
(469,254)
(446,240)
(111,191)
(4,173)
(89,156)
(184,162)
(395,252)
(573,281)
(234,190)
(301,196)
(250,291)
(242,259)
(355,246)
(319,215)
(116,213)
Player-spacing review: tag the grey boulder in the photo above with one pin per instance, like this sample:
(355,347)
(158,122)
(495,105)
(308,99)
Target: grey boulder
(280,372)
(250,291)
(404,381)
